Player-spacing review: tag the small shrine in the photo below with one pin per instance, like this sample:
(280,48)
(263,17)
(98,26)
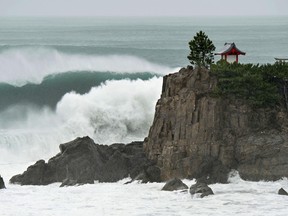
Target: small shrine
(230,53)
(281,60)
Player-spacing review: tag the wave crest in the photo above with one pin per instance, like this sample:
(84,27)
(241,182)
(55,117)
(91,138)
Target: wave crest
(19,66)
(117,111)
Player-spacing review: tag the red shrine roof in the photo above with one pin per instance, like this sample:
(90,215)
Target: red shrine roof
(230,49)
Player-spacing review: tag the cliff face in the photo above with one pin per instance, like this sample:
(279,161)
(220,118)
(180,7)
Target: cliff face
(195,135)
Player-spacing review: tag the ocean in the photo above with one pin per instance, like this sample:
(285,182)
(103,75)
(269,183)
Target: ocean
(61,78)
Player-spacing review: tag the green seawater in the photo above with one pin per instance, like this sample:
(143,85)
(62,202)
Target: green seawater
(34,48)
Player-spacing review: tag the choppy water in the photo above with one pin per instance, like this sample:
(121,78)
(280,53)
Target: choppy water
(236,198)
(67,77)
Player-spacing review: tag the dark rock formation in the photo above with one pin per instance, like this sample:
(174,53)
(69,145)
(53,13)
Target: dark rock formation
(2,184)
(198,135)
(282,192)
(201,188)
(150,173)
(174,184)
(81,161)
(211,170)
(153,174)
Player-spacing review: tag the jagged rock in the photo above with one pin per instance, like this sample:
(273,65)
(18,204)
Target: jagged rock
(81,161)
(197,135)
(2,184)
(174,184)
(201,188)
(33,175)
(282,192)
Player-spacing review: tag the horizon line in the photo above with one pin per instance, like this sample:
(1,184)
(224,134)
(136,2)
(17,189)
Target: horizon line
(142,16)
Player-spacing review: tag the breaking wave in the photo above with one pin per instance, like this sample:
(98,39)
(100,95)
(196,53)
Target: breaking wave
(49,97)
(115,111)
(22,65)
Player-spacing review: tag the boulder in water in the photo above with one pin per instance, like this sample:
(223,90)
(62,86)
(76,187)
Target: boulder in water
(201,188)
(174,184)
(2,184)
(282,192)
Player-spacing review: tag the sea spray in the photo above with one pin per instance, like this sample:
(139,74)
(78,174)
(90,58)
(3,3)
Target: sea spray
(48,102)
(124,107)
(117,111)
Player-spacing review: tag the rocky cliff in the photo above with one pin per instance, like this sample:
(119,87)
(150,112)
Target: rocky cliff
(196,135)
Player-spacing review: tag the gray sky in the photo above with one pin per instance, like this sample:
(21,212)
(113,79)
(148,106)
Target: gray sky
(143,7)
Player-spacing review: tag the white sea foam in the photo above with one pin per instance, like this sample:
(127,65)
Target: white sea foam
(241,198)
(117,111)
(32,64)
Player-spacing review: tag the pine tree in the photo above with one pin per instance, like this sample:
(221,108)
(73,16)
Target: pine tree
(202,49)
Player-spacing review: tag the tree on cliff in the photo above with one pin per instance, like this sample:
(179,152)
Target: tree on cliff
(202,49)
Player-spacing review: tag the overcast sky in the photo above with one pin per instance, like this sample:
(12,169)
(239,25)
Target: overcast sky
(143,7)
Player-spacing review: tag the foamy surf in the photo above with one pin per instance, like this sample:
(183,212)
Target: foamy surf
(240,197)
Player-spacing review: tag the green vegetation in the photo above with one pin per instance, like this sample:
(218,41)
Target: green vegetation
(260,85)
(202,49)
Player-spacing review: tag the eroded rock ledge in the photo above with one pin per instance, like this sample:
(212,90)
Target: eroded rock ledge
(196,135)
(82,161)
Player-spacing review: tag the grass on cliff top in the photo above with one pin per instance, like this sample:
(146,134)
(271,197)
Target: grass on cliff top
(260,85)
